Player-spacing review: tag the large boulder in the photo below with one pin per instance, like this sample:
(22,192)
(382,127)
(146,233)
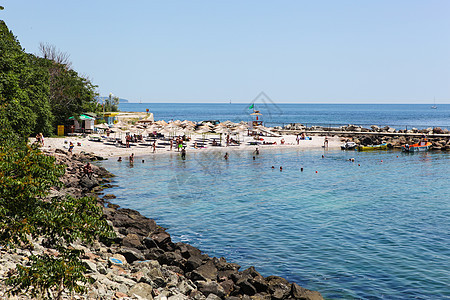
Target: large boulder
(298,292)
(207,271)
(210,287)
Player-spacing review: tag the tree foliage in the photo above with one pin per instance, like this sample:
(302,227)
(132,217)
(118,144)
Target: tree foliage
(26,176)
(111,103)
(38,93)
(24,88)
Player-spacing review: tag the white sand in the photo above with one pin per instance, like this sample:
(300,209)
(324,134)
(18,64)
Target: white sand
(100,149)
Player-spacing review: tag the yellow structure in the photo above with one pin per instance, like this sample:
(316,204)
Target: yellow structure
(60,130)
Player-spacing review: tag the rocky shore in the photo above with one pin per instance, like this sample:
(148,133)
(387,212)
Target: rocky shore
(142,262)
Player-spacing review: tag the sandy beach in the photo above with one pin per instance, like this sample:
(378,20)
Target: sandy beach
(84,144)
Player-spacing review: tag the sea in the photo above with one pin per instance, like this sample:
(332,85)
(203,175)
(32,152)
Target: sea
(377,227)
(399,116)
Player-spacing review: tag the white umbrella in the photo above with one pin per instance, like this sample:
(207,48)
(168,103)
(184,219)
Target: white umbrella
(101,126)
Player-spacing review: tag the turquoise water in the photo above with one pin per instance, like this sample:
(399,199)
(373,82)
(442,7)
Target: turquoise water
(377,230)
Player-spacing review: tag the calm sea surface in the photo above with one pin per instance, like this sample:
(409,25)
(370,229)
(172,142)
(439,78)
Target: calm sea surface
(400,116)
(376,228)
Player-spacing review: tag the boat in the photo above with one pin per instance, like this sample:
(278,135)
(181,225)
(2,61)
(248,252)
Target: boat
(434,105)
(423,145)
(373,147)
(349,146)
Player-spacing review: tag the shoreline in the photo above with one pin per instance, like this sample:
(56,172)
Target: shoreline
(109,151)
(142,262)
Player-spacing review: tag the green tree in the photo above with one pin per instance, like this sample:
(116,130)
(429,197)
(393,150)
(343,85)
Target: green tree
(26,176)
(111,104)
(24,88)
(70,93)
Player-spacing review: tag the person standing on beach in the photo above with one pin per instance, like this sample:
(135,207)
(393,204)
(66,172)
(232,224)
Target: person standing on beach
(71,147)
(171,144)
(297,139)
(325,142)
(154,146)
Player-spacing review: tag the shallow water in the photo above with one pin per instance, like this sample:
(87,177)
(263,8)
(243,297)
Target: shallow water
(380,230)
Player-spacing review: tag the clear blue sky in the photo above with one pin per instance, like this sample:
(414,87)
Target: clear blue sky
(215,51)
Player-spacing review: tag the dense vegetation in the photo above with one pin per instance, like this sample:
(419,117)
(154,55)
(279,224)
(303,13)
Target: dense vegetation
(35,95)
(38,93)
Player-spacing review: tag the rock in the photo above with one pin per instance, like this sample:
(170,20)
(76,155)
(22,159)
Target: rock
(210,287)
(212,297)
(161,238)
(246,287)
(228,286)
(117,259)
(188,251)
(88,183)
(172,258)
(279,287)
(132,241)
(153,254)
(251,272)
(260,284)
(301,293)
(261,296)
(90,265)
(193,263)
(178,297)
(143,290)
(131,255)
(120,295)
(205,272)
(150,243)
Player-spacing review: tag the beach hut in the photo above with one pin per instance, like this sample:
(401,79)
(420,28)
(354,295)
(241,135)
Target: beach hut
(110,117)
(83,123)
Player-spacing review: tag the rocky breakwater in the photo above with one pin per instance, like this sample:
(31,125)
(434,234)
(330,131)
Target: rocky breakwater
(142,262)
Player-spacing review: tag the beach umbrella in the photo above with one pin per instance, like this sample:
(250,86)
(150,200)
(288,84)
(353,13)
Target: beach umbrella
(161,122)
(101,126)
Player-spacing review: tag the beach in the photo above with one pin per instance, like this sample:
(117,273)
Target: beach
(84,144)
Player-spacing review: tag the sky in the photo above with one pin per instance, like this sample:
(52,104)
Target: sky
(219,51)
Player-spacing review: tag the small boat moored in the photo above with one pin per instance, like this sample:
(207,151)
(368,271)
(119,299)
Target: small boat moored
(373,147)
(423,145)
(349,146)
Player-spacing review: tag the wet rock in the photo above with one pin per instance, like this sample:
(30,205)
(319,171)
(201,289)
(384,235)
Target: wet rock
(279,287)
(301,293)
